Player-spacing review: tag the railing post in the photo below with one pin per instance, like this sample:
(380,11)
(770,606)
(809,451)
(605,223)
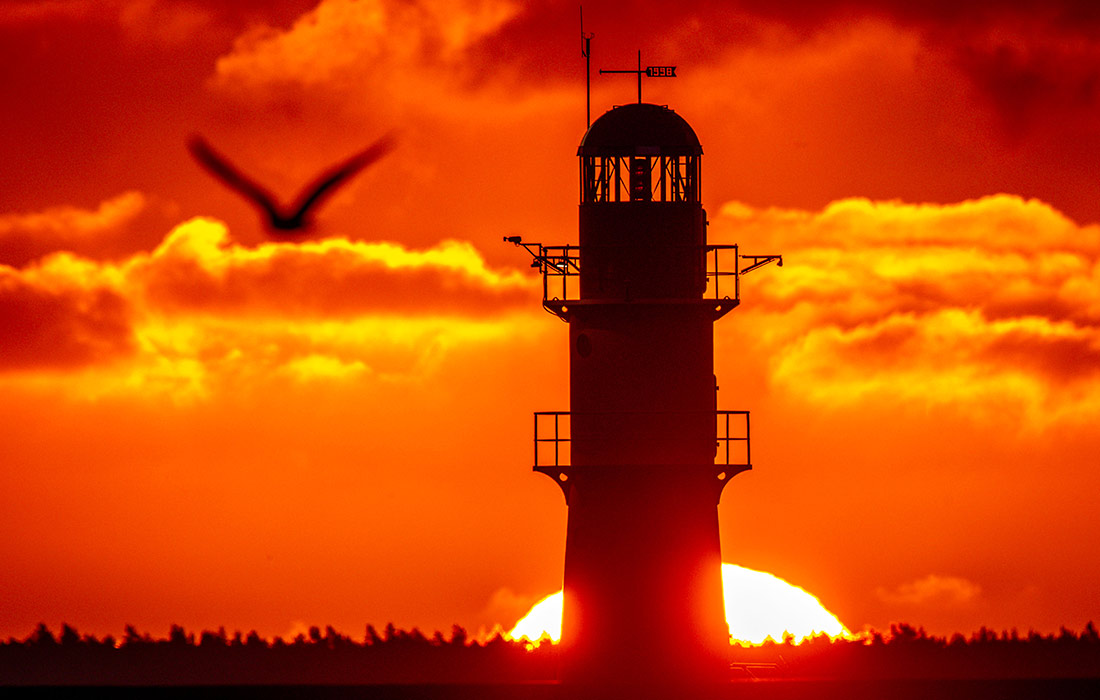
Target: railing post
(565,274)
(727,438)
(557,459)
(737,272)
(718,274)
(748,442)
(542,264)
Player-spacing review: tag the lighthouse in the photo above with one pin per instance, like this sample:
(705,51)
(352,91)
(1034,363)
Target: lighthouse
(644,451)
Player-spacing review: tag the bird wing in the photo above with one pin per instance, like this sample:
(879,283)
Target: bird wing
(334,176)
(233,178)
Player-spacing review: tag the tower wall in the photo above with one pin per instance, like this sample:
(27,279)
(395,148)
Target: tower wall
(643,250)
(643,591)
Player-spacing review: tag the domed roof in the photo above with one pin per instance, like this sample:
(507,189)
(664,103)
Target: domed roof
(640,129)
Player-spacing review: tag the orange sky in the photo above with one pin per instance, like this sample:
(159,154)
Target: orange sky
(205,426)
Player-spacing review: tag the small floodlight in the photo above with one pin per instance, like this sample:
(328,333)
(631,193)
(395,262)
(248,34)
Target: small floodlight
(513,239)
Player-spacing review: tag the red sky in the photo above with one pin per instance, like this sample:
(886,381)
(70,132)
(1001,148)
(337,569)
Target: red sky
(205,426)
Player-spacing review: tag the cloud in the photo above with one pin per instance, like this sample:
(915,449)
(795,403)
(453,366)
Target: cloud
(992,302)
(932,590)
(950,357)
(15,13)
(112,229)
(413,49)
(998,222)
(197,269)
(61,314)
(161,22)
(166,23)
(1035,70)
(1034,64)
(201,314)
(1027,60)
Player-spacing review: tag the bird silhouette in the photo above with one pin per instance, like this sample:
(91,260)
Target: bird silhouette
(296,217)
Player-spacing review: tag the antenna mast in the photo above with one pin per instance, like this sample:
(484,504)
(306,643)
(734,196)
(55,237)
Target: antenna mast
(586,51)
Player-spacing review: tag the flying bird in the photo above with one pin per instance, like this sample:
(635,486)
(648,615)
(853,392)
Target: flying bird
(296,217)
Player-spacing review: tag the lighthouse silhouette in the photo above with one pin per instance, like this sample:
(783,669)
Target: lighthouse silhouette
(644,452)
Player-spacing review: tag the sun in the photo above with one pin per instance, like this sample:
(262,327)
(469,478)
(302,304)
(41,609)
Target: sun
(758,605)
(543,620)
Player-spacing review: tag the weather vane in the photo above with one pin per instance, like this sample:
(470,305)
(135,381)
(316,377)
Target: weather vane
(648,71)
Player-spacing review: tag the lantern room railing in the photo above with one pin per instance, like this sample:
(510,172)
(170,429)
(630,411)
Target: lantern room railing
(560,267)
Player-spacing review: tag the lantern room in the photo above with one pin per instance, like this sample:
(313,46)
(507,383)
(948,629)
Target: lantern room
(640,153)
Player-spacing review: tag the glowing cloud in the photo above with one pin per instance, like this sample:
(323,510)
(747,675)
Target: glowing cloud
(201,312)
(993,302)
(198,268)
(932,589)
(62,312)
(109,229)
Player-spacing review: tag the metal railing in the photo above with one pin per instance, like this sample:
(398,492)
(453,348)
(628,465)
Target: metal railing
(724,436)
(558,437)
(554,429)
(564,262)
(715,271)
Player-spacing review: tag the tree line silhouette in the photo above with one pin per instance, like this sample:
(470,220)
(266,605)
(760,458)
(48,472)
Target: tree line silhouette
(215,658)
(908,652)
(399,656)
